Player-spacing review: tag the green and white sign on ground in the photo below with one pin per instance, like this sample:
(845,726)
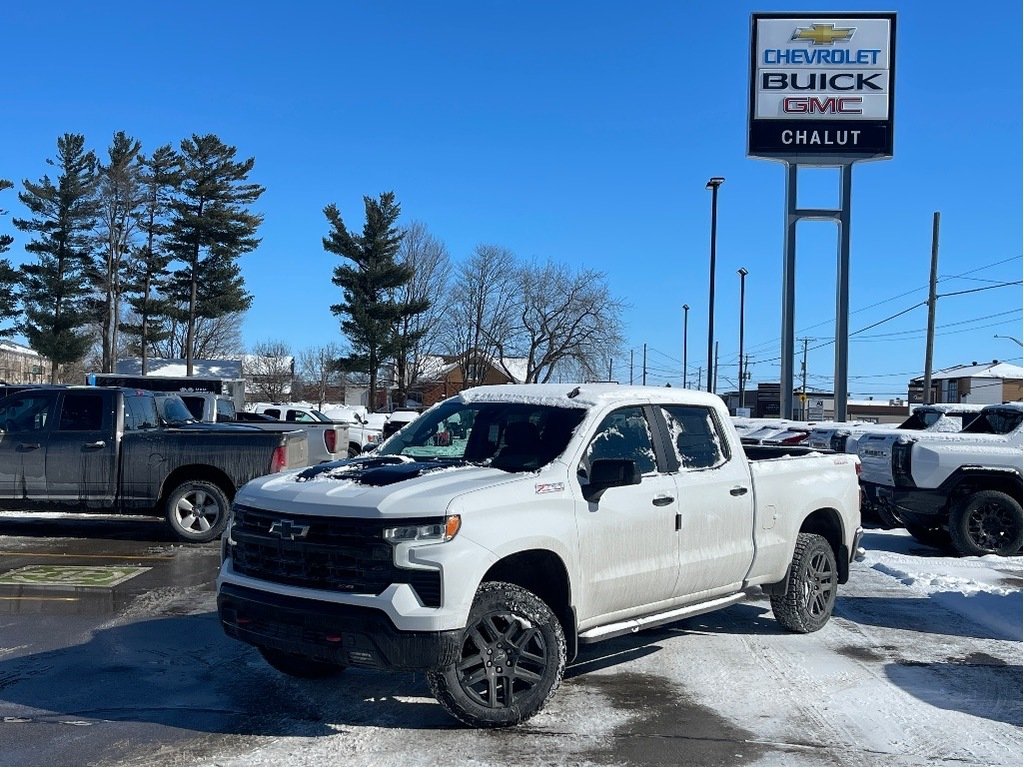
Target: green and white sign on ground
(71,575)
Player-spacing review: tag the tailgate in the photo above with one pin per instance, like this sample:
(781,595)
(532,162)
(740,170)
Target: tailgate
(296,449)
(875,453)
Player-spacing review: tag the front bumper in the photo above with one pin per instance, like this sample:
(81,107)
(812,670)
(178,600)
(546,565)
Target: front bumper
(341,634)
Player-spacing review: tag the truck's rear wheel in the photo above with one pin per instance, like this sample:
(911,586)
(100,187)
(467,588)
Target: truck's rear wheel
(986,523)
(810,586)
(511,661)
(353,450)
(197,510)
(294,665)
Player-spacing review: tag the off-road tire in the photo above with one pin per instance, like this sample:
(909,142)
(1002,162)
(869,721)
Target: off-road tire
(511,660)
(293,665)
(887,517)
(353,450)
(810,586)
(197,510)
(986,523)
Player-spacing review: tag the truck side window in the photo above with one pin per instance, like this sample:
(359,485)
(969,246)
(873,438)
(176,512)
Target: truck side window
(273,412)
(140,413)
(81,412)
(622,434)
(225,411)
(26,413)
(695,435)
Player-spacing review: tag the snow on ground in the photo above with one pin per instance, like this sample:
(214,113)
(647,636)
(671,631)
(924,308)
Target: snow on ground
(986,590)
(919,666)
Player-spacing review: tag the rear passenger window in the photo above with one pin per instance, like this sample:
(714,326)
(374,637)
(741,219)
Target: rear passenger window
(274,413)
(695,436)
(81,412)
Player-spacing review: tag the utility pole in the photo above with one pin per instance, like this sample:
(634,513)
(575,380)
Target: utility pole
(609,369)
(645,365)
(932,283)
(700,377)
(714,381)
(631,367)
(803,385)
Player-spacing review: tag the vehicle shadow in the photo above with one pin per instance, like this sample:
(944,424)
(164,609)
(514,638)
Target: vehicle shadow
(183,672)
(100,526)
(926,615)
(988,690)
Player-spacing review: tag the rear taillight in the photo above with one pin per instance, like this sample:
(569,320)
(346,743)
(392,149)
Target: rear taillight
(330,440)
(838,441)
(901,474)
(279,460)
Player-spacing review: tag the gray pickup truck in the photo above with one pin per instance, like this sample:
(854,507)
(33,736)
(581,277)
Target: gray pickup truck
(103,449)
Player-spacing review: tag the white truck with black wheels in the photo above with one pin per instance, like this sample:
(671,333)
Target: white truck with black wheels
(508,525)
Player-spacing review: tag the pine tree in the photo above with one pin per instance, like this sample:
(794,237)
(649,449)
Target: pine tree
(211,227)
(55,289)
(368,313)
(8,277)
(120,195)
(148,264)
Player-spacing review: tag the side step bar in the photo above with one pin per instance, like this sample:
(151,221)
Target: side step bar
(656,619)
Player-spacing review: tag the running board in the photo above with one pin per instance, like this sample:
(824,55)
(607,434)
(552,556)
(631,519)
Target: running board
(656,619)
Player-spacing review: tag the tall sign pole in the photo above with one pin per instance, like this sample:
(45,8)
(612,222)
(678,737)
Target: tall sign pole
(821,94)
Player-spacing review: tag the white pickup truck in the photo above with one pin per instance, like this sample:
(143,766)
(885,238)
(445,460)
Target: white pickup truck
(360,434)
(509,524)
(962,488)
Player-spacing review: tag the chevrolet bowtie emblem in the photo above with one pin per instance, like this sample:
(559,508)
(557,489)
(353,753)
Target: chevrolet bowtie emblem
(286,529)
(823,34)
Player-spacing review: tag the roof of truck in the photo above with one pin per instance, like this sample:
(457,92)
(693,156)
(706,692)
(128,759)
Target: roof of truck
(586,395)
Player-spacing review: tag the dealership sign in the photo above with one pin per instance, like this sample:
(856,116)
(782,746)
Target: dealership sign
(821,87)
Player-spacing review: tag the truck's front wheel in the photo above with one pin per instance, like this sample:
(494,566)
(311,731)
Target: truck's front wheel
(197,510)
(986,523)
(810,586)
(511,660)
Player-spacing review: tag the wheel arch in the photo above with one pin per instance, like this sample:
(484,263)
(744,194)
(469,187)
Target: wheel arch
(968,480)
(827,523)
(543,573)
(197,472)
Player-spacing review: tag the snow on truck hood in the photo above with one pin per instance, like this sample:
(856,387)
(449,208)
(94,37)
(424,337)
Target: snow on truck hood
(370,487)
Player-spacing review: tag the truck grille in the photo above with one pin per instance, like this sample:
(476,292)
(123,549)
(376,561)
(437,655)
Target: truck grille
(335,554)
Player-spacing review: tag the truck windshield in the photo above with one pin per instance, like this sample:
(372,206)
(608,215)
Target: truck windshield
(516,437)
(995,421)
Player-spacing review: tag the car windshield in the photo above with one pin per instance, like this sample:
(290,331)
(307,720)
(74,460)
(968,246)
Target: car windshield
(173,409)
(516,437)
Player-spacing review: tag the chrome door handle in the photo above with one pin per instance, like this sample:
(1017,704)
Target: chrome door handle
(28,446)
(95,446)
(739,490)
(662,501)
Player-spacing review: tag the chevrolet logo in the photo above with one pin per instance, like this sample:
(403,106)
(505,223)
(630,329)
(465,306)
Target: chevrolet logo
(823,34)
(286,529)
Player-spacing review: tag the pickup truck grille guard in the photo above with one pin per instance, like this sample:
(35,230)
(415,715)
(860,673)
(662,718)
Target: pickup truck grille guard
(333,554)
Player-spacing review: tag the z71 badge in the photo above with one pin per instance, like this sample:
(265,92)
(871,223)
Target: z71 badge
(548,488)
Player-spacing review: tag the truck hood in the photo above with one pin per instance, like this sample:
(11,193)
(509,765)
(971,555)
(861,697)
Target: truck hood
(384,486)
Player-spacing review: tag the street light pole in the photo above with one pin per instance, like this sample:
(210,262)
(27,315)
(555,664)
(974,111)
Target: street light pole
(713,184)
(1011,338)
(686,334)
(743,281)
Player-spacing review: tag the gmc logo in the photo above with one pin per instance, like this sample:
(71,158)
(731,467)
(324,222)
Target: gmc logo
(829,105)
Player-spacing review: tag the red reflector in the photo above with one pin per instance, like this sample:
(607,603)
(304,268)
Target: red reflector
(330,440)
(280,459)
(243,620)
(332,638)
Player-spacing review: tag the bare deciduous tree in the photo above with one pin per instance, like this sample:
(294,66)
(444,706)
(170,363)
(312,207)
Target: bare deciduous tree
(480,309)
(568,322)
(214,338)
(418,334)
(270,369)
(318,370)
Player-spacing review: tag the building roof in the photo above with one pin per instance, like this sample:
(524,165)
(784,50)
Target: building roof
(993,370)
(20,349)
(210,369)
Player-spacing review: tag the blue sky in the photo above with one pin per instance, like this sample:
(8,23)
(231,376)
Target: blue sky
(580,132)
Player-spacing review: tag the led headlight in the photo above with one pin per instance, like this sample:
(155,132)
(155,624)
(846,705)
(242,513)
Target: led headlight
(443,530)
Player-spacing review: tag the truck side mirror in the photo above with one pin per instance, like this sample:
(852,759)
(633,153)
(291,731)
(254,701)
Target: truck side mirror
(610,473)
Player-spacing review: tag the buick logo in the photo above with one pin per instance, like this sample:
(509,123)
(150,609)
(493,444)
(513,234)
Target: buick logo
(286,529)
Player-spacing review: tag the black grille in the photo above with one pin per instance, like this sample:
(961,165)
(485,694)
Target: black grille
(337,554)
